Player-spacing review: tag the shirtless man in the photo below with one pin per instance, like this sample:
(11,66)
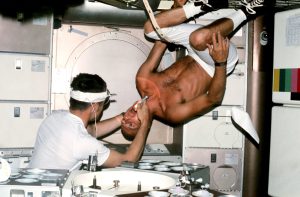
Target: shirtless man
(195,83)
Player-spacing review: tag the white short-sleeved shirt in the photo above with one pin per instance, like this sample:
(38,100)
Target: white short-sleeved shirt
(62,141)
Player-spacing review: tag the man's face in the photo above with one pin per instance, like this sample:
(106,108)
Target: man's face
(130,123)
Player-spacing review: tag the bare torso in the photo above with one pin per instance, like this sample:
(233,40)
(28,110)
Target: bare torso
(180,83)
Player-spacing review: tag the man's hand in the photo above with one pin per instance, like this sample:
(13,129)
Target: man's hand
(219,48)
(143,113)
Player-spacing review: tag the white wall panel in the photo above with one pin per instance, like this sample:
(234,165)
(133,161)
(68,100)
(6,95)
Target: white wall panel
(236,87)
(31,36)
(284,171)
(24,77)
(19,123)
(213,131)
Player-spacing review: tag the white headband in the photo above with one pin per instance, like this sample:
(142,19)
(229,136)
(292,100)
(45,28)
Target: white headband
(89,97)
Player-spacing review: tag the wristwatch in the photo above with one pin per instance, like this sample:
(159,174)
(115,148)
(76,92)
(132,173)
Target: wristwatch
(221,63)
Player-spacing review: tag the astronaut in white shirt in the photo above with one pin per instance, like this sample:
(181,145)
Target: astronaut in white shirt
(64,140)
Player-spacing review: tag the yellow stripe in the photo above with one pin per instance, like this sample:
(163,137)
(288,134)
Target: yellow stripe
(276,80)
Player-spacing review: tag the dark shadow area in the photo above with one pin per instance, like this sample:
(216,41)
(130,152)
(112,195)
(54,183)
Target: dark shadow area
(25,10)
(132,5)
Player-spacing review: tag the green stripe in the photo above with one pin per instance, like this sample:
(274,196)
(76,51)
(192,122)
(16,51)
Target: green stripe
(288,80)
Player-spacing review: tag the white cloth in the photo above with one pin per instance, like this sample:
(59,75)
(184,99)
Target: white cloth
(179,35)
(62,141)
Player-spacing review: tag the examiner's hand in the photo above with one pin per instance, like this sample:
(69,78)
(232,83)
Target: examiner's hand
(219,48)
(143,113)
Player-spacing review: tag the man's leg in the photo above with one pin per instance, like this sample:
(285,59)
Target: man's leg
(203,36)
(181,11)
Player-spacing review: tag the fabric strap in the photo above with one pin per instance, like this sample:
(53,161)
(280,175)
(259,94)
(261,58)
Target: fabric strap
(153,21)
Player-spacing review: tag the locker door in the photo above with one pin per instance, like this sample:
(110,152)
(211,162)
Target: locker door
(284,169)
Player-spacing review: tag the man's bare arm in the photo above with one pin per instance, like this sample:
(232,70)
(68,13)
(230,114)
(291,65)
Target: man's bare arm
(105,127)
(219,52)
(153,59)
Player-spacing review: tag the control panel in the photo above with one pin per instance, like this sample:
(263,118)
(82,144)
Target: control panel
(156,149)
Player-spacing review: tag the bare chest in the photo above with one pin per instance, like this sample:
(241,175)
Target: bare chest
(183,82)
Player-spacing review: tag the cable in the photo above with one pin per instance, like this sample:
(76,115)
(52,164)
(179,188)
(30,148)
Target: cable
(95,121)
